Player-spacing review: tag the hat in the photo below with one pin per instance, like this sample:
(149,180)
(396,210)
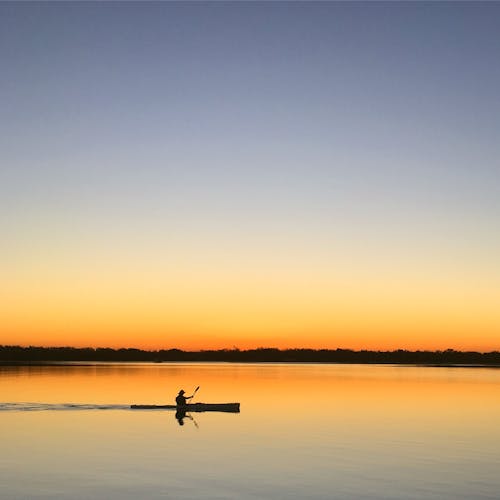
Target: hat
(182,391)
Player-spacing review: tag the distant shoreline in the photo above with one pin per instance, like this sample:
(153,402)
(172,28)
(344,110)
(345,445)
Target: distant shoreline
(94,363)
(33,356)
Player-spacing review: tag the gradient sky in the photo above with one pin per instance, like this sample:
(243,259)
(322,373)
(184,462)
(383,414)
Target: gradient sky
(210,175)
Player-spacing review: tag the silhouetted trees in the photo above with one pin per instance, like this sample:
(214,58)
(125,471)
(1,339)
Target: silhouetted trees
(33,354)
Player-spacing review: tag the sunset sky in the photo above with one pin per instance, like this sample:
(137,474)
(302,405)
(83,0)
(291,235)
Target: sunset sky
(211,175)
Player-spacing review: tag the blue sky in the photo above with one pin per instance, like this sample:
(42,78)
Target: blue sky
(356,135)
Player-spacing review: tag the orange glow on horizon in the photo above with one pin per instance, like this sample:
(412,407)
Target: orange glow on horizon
(193,342)
(203,309)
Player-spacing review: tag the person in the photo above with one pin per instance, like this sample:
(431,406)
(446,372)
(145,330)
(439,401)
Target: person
(181,400)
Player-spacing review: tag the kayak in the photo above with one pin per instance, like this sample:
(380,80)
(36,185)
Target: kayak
(196,407)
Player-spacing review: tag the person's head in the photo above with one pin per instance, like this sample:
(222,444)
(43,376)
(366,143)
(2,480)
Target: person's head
(182,391)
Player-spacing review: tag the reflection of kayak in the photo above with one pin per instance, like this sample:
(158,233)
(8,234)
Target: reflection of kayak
(227,407)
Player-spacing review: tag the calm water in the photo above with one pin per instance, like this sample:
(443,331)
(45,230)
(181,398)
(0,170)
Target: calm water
(304,431)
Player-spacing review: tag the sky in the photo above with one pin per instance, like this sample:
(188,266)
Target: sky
(219,175)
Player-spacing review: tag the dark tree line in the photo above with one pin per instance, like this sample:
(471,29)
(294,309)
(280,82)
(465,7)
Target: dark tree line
(32,354)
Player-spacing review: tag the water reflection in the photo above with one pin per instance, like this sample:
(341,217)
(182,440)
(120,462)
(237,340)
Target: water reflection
(181,414)
(427,432)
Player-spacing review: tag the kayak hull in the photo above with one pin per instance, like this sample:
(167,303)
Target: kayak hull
(194,407)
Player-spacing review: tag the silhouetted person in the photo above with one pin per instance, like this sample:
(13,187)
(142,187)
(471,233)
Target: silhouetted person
(181,400)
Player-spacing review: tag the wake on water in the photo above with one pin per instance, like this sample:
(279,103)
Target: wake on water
(59,407)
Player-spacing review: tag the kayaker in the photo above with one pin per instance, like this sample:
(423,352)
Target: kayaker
(181,400)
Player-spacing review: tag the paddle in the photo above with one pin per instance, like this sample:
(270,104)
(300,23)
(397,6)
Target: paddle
(189,414)
(195,391)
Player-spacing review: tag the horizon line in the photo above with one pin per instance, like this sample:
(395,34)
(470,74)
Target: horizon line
(236,349)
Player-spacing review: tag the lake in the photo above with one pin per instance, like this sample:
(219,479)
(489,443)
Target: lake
(304,431)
